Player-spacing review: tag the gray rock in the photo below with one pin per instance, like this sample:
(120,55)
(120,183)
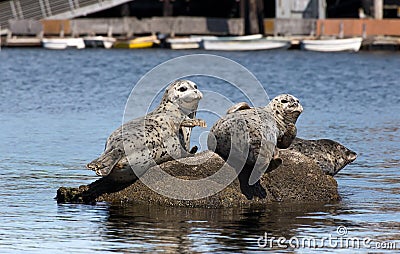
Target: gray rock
(299,178)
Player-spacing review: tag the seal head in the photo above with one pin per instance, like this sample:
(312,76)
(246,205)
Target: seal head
(330,155)
(286,109)
(184,94)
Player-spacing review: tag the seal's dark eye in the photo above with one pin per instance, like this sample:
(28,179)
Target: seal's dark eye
(284,101)
(195,87)
(182,89)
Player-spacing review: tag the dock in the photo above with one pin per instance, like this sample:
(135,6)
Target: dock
(26,22)
(377,34)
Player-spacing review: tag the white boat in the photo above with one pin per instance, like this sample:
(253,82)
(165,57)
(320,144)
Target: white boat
(245,45)
(227,38)
(194,41)
(99,41)
(184,43)
(63,43)
(23,42)
(332,45)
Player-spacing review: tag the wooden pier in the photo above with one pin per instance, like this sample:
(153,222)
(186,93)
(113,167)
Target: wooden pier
(377,34)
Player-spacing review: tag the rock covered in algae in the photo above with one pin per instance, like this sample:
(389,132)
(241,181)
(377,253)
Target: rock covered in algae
(298,179)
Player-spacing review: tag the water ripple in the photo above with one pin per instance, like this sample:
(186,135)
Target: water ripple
(58,107)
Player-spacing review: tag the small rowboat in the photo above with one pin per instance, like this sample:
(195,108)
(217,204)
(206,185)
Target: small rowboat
(332,45)
(99,41)
(137,43)
(228,38)
(246,45)
(63,43)
(133,45)
(194,41)
(184,43)
(23,42)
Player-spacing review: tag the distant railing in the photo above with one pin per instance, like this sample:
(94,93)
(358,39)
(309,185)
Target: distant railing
(51,9)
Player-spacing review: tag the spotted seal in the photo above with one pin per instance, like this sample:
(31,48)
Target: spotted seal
(330,155)
(250,137)
(161,135)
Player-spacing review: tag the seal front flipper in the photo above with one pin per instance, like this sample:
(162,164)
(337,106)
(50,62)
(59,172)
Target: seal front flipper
(106,162)
(263,153)
(193,150)
(288,136)
(275,162)
(174,149)
(193,123)
(237,107)
(250,191)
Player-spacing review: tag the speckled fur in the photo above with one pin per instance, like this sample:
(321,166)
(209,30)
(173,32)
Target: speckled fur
(260,131)
(330,155)
(260,125)
(155,138)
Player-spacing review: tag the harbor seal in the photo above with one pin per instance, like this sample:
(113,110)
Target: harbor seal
(161,135)
(248,138)
(329,155)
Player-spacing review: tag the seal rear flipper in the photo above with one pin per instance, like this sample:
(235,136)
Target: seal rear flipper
(237,107)
(106,162)
(70,195)
(89,193)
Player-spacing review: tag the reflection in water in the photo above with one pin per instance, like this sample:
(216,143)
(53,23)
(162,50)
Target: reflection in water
(148,227)
(57,113)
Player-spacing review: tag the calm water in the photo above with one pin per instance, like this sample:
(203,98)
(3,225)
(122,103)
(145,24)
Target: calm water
(58,107)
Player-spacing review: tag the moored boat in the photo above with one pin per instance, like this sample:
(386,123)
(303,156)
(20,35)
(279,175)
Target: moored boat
(332,45)
(23,42)
(137,43)
(246,45)
(196,41)
(184,43)
(227,38)
(63,43)
(99,41)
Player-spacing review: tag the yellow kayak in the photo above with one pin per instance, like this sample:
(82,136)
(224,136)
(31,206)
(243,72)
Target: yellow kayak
(137,43)
(133,45)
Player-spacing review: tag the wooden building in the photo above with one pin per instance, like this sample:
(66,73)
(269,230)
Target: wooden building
(220,17)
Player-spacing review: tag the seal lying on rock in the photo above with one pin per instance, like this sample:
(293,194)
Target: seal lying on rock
(298,179)
(247,139)
(330,155)
(153,139)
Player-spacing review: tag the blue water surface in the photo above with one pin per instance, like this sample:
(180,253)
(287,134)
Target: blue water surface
(58,107)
